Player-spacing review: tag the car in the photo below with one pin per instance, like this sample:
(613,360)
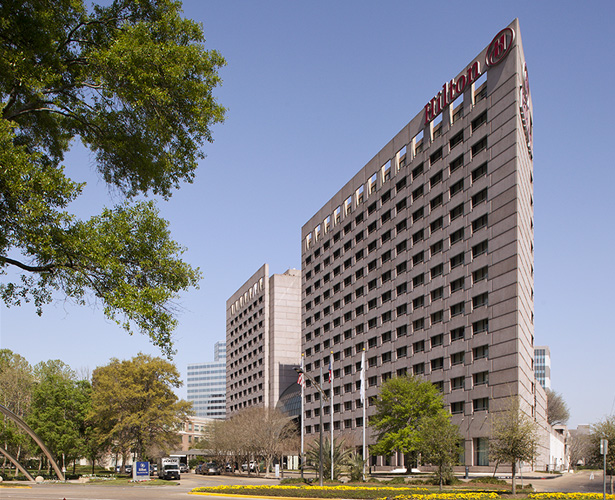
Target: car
(128,469)
(211,469)
(183,468)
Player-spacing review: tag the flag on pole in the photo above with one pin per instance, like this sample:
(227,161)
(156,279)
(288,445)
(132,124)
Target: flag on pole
(301,380)
(363,378)
(330,370)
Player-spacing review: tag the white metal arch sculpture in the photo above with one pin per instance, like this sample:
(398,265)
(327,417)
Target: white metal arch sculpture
(37,439)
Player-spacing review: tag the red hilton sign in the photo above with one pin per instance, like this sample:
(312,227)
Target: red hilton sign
(498,49)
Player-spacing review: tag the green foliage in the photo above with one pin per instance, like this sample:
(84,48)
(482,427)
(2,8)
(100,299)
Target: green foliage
(134,406)
(557,409)
(59,407)
(604,429)
(487,480)
(440,445)
(514,437)
(403,407)
(133,81)
(356,466)
(340,456)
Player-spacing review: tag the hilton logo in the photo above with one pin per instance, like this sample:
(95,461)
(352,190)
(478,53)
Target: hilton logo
(499,47)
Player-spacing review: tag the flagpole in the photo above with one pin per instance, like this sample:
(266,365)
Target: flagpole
(363,401)
(302,414)
(331,410)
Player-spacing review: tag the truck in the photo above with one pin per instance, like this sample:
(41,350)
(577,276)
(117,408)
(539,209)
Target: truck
(168,468)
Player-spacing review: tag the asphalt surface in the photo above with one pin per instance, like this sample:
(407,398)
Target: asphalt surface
(583,481)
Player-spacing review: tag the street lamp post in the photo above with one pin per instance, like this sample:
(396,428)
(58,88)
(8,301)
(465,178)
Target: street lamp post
(323,397)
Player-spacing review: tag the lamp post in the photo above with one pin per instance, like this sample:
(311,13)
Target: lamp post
(323,396)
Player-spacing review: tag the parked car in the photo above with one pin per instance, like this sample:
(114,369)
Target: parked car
(183,468)
(212,469)
(128,469)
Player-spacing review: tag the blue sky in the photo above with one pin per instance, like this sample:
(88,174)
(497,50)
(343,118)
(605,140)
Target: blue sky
(313,91)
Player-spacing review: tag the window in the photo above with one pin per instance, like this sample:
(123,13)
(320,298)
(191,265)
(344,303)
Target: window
(402,309)
(372,323)
(481,378)
(418,324)
(480,326)
(479,300)
(418,214)
(481,404)
(401,225)
(417,171)
(437,271)
(386,196)
(479,146)
(437,364)
(457,334)
(418,369)
(418,236)
(457,309)
(402,288)
(358,219)
(372,246)
(437,317)
(435,156)
(479,197)
(437,340)
(479,249)
(457,260)
(457,383)
(481,451)
(478,224)
(371,228)
(418,346)
(402,352)
(386,296)
(418,302)
(456,163)
(400,205)
(457,285)
(385,216)
(435,225)
(401,184)
(401,267)
(477,173)
(418,280)
(386,357)
(479,121)
(457,407)
(480,274)
(386,236)
(480,352)
(456,140)
(437,293)
(359,236)
(371,208)
(372,284)
(456,188)
(457,358)
(436,247)
(456,236)
(359,273)
(417,193)
(435,179)
(386,276)
(402,330)
(457,212)
(418,258)
(435,202)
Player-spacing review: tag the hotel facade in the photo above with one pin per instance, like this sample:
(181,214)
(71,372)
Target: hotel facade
(263,339)
(424,260)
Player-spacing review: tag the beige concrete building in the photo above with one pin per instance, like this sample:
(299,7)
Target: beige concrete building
(425,258)
(263,338)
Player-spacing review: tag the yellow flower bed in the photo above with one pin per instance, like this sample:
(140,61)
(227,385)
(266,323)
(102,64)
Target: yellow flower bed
(448,496)
(569,496)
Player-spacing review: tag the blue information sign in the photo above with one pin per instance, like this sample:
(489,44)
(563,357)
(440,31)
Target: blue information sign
(141,471)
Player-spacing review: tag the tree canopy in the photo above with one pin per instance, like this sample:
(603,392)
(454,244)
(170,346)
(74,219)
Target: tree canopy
(557,409)
(133,81)
(404,409)
(134,407)
(514,437)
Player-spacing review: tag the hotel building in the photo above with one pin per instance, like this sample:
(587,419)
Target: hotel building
(263,338)
(542,366)
(424,259)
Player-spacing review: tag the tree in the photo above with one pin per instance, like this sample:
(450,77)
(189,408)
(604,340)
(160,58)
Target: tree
(134,406)
(604,429)
(557,409)
(16,385)
(341,456)
(579,447)
(402,408)
(134,83)
(514,437)
(58,411)
(440,445)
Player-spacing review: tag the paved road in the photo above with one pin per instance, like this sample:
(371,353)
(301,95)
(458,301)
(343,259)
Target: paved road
(579,482)
(173,490)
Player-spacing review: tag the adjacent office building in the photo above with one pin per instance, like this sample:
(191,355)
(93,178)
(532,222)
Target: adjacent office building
(206,385)
(263,337)
(424,259)
(542,366)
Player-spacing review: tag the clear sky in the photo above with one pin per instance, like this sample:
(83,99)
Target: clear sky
(314,90)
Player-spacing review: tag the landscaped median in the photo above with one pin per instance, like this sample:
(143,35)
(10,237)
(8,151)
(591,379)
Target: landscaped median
(379,493)
(346,492)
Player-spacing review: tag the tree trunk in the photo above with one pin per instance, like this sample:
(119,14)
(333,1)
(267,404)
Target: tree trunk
(513,469)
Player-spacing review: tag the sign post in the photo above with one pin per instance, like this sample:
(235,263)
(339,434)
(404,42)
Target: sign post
(141,471)
(604,451)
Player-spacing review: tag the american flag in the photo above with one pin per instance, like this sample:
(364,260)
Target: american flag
(301,380)
(330,371)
